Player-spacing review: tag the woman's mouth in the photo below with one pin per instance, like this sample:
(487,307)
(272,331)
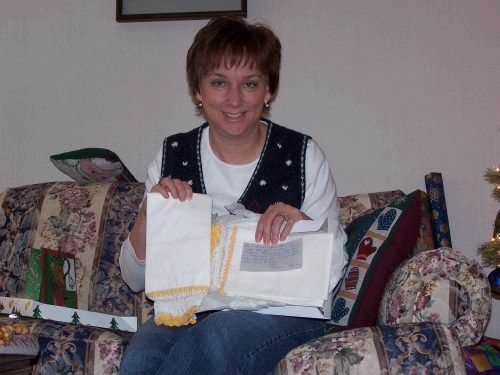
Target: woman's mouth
(233,115)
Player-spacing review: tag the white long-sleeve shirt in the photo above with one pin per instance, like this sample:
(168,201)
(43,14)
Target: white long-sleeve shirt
(226,183)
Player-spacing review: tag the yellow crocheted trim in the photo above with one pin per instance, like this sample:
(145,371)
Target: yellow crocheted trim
(180,290)
(230,250)
(216,232)
(177,321)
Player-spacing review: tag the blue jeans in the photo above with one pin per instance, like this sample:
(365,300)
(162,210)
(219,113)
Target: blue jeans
(222,342)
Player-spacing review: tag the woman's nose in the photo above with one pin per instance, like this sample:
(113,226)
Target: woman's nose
(234,96)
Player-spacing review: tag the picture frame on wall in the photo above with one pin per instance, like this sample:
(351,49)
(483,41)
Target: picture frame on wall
(169,10)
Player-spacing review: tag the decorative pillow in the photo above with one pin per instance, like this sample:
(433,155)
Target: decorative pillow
(377,243)
(92,165)
(418,348)
(440,286)
(354,206)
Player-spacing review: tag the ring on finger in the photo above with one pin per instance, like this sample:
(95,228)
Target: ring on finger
(281,215)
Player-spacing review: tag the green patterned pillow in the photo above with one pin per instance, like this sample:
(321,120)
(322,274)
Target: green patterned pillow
(377,243)
(92,165)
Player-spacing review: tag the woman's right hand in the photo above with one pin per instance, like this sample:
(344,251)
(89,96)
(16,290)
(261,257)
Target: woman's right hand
(175,188)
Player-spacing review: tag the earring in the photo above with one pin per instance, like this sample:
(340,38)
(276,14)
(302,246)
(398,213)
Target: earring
(200,104)
(266,104)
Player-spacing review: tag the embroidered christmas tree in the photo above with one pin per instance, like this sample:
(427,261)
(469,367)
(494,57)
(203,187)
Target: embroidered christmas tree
(75,318)
(37,314)
(113,324)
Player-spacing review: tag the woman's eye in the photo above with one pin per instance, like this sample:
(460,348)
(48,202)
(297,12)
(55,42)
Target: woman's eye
(218,83)
(250,85)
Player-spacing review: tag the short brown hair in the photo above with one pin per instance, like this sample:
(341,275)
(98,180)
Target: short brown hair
(233,41)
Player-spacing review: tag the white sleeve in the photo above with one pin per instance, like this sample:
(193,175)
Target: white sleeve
(320,199)
(134,270)
(154,171)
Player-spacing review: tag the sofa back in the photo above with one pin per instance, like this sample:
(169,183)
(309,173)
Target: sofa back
(90,221)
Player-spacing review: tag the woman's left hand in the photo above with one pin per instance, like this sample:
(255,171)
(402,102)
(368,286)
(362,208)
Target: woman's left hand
(269,228)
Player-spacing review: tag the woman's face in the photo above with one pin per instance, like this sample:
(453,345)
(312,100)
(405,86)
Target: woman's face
(233,100)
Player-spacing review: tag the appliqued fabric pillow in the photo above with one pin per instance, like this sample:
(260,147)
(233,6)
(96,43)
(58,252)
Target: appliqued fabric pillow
(92,165)
(418,348)
(441,286)
(377,243)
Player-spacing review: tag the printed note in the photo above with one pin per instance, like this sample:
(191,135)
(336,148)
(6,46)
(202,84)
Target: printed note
(281,257)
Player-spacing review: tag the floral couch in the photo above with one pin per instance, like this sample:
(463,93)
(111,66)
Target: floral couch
(385,230)
(90,221)
(435,303)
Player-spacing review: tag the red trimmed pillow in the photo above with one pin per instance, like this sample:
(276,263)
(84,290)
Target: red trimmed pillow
(377,243)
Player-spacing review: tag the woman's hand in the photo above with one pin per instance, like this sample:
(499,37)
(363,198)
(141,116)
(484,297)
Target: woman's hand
(270,223)
(173,187)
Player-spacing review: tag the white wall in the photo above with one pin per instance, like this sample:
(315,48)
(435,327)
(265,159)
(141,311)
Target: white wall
(391,89)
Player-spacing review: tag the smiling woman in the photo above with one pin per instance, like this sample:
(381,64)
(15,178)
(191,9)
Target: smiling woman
(235,156)
(232,101)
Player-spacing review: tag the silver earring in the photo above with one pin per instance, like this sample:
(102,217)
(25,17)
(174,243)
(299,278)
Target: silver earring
(266,104)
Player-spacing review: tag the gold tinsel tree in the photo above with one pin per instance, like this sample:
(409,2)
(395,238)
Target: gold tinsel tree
(490,251)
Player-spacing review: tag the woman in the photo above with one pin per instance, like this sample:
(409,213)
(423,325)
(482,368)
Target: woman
(233,72)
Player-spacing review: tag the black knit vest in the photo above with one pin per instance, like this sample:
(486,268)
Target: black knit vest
(278,177)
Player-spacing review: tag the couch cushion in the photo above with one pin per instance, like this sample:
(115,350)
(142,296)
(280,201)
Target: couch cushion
(419,348)
(377,243)
(90,221)
(441,286)
(75,349)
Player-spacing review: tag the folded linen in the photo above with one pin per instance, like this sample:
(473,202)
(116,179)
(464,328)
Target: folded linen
(178,256)
(305,285)
(193,265)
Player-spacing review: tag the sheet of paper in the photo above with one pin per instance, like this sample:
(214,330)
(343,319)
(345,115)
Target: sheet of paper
(281,257)
(307,285)
(302,226)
